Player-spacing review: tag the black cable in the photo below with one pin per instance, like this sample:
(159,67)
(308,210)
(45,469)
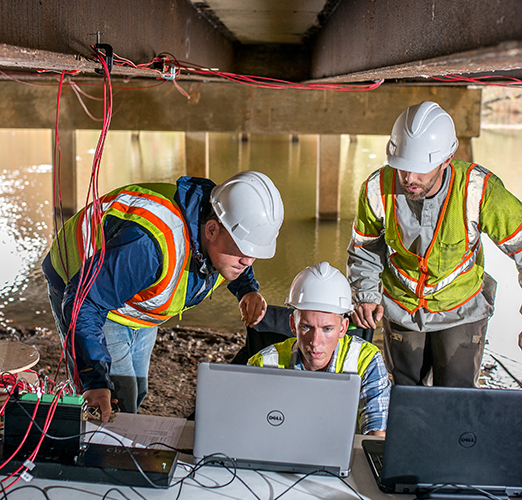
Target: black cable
(41,490)
(201,463)
(247,486)
(117,491)
(186,451)
(322,473)
(235,475)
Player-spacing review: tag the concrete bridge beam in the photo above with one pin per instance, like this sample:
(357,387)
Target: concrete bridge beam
(196,154)
(328,187)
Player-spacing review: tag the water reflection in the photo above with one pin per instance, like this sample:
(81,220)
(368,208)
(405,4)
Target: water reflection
(129,157)
(25,214)
(25,218)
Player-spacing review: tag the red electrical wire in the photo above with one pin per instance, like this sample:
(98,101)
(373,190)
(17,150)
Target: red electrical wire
(32,456)
(93,218)
(479,80)
(92,221)
(33,417)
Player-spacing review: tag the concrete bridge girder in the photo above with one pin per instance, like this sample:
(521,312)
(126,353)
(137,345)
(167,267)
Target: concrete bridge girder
(222,107)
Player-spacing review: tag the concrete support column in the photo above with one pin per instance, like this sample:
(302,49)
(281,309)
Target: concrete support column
(196,154)
(464,151)
(136,158)
(328,193)
(67,139)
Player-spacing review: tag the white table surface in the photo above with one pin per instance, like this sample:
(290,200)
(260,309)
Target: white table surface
(266,485)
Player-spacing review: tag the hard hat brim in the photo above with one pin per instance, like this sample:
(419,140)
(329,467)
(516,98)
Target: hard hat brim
(255,251)
(411,166)
(317,306)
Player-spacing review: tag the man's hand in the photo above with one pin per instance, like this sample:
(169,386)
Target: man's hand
(363,314)
(253,308)
(100,398)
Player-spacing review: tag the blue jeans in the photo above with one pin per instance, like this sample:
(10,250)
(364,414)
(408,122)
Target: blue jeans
(130,352)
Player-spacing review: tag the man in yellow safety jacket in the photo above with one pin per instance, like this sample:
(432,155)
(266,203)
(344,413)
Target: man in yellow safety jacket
(416,258)
(321,298)
(159,250)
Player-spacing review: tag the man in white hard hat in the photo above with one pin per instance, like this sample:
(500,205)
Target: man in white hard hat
(416,258)
(321,298)
(166,247)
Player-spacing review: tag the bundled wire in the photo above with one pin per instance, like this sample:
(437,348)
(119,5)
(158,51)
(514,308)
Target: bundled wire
(480,80)
(91,223)
(172,68)
(266,82)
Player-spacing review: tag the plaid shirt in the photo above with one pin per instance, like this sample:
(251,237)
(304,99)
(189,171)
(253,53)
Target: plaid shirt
(375,392)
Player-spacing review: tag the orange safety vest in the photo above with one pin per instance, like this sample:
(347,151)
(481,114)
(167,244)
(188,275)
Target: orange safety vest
(152,207)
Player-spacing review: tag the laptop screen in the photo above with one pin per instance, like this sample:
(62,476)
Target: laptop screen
(276,419)
(446,435)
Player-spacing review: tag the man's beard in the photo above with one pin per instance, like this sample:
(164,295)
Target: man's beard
(424,188)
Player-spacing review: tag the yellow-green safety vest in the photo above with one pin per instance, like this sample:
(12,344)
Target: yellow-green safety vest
(451,272)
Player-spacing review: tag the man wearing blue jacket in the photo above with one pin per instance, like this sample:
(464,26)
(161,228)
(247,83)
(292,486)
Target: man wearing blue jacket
(162,250)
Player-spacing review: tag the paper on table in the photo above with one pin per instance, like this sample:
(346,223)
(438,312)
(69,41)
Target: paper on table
(137,431)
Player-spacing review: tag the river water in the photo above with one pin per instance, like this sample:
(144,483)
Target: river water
(26,216)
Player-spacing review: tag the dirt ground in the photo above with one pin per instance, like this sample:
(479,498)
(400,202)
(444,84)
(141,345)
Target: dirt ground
(173,368)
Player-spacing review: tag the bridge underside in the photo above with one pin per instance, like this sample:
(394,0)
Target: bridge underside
(348,40)
(409,45)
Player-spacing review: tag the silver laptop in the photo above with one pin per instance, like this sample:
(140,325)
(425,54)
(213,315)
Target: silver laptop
(275,419)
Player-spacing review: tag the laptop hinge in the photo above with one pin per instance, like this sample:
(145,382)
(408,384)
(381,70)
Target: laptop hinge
(514,492)
(405,488)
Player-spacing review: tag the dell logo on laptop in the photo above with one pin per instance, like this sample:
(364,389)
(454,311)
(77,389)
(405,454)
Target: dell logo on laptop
(275,418)
(467,440)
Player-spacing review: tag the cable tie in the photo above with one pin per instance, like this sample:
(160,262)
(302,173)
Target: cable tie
(169,71)
(26,476)
(30,465)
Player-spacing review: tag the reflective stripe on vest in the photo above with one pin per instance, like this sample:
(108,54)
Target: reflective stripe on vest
(352,358)
(512,244)
(270,356)
(374,197)
(162,218)
(425,290)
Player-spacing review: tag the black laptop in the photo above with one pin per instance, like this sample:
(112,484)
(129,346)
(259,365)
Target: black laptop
(449,442)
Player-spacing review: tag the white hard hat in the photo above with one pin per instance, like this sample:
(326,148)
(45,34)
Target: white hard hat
(422,138)
(250,207)
(321,288)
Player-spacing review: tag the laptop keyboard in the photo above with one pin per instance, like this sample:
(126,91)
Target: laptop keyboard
(374,451)
(376,462)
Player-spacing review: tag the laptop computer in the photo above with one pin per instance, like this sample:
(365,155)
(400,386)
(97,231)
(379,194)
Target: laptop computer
(461,438)
(275,419)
